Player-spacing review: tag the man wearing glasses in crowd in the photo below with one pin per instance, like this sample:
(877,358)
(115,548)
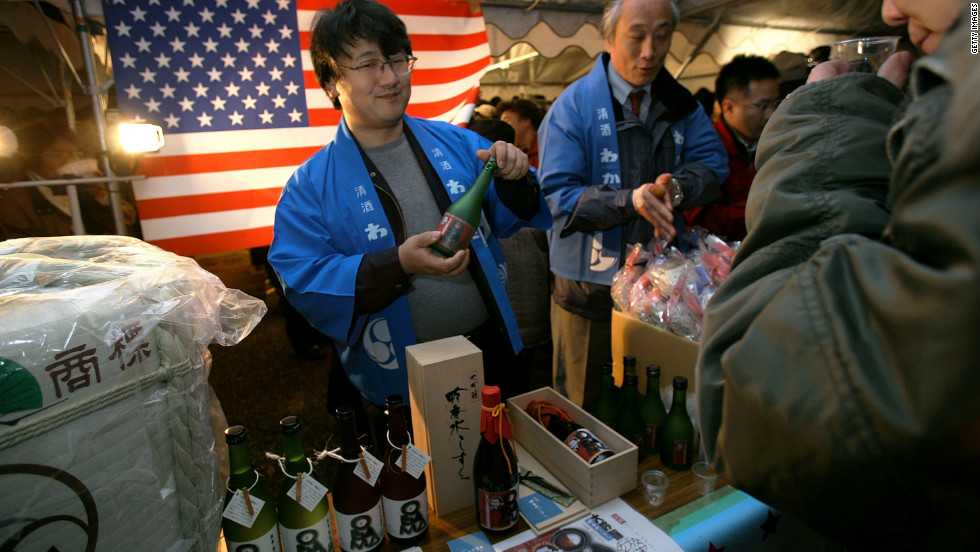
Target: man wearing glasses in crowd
(354,223)
(747,89)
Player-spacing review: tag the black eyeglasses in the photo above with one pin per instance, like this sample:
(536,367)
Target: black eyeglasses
(374,68)
(762,106)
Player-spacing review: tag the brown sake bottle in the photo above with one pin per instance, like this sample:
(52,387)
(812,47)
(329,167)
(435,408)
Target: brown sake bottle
(406,506)
(356,504)
(495,474)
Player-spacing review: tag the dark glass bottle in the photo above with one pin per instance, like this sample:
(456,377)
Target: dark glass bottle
(606,406)
(356,504)
(263,535)
(629,421)
(495,476)
(406,505)
(462,218)
(302,529)
(677,433)
(652,409)
(579,439)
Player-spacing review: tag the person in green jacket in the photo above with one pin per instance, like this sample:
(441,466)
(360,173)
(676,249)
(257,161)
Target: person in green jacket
(839,372)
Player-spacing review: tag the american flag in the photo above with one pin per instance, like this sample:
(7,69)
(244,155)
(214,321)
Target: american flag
(232,86)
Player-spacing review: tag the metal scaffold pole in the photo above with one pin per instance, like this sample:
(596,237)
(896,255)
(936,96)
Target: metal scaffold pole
(93,90)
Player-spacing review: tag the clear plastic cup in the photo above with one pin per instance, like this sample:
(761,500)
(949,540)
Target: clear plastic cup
(705,478)
(654,486)
(866,54)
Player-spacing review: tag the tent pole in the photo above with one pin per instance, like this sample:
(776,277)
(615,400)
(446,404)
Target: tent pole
(81,27)
(704,40)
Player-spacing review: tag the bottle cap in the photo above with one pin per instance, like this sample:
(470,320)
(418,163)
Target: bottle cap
(235,435)
(289,425)
(605,368)
(653,370)
(629,360)
(680,382)
(345,413)
(631,380)
(394,402)
(490,396)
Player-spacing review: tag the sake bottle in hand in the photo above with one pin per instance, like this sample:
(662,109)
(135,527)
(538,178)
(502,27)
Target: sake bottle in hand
(462,218)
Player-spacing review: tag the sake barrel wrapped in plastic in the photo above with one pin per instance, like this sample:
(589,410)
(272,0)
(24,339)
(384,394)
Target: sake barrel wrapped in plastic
(106,440)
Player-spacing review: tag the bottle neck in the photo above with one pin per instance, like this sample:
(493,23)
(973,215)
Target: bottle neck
(241,473)
(397,428)
(680,398)
(483,180)
(349,447)
(653,384)
(295,455)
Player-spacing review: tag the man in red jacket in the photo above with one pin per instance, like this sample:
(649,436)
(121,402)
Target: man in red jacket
(747,90)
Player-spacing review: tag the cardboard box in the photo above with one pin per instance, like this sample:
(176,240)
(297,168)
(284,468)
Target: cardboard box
(676,355)
(445,378)
(593,484)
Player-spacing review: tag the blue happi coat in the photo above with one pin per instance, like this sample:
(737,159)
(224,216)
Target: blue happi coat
(580,149)
(329,216)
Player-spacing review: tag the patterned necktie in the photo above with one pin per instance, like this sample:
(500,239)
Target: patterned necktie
(635,98)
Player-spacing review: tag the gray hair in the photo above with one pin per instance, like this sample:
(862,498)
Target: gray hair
(610,17)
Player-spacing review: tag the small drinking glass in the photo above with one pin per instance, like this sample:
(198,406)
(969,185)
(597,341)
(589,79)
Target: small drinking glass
(654,486)
(866,54)
(705,478)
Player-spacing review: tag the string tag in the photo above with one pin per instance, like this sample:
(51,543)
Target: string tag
(368,467)
(308,493)
(413,460)
(243,508)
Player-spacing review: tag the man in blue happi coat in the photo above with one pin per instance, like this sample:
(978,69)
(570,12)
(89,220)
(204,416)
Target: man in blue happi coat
(623,151)
(354,223)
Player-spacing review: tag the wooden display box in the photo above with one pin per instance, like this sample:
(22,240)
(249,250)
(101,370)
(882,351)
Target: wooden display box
(676,355)
(593,484)
(445,378)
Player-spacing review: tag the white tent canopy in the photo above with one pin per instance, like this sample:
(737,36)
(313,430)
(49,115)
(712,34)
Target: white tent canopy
(540,46)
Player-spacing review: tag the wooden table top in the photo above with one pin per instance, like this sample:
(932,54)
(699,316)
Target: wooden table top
(680,492)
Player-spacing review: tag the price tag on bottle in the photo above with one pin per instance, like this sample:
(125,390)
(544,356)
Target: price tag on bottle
(311,494)
(415,460)
(373,465)
(237,509)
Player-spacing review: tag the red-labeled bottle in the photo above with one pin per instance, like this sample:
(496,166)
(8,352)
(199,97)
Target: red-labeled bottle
(560,424)
(495,474)
(461,219)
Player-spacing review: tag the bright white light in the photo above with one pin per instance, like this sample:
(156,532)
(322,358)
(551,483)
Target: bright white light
(140,137)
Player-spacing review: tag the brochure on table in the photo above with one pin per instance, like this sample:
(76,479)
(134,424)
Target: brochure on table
(609,527)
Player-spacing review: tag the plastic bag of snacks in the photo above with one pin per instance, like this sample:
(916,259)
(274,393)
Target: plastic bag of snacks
(662,286)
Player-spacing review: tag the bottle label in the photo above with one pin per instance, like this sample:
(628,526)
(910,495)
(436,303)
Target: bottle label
(651,436)
(315,538)
(415,460)
(585,444)
(682,453)
(237,509)
(498,510)
(361,531)
(456,232)
(269,542)
(309,490)
(406,518)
